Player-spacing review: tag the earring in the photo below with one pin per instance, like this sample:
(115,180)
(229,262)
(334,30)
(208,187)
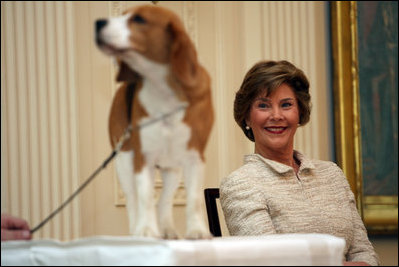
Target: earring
(247,127)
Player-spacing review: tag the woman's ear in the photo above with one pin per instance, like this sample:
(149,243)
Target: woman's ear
(247,123)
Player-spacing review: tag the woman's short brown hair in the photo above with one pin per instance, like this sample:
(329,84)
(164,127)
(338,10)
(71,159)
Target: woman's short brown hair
(263,78)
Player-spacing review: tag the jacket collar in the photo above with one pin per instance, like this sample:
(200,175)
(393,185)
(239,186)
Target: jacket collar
(306,163)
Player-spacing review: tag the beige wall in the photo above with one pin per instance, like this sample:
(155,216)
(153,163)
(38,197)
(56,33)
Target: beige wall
(39,114)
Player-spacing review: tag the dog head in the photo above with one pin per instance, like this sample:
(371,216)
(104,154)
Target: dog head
(148,34)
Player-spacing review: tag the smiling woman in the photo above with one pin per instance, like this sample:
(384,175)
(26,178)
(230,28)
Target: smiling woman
(278,189)
(261,81)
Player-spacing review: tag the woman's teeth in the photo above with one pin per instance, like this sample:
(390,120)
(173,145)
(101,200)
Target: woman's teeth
(275,129)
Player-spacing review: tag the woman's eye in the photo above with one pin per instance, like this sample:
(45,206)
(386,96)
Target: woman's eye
(286,105)
(262,105)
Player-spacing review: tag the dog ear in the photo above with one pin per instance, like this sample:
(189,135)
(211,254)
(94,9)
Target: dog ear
(126,74)
(184,62)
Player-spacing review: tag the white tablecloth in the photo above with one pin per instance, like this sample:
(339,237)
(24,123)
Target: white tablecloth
(287,249)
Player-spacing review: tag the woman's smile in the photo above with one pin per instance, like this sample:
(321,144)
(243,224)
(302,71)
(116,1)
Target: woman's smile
(275,129)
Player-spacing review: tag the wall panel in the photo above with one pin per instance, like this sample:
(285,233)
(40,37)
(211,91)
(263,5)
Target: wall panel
(39,123)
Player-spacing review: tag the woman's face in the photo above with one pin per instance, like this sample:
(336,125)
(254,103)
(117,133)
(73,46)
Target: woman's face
(274,120)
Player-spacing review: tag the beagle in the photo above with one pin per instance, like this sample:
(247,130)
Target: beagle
(163,83)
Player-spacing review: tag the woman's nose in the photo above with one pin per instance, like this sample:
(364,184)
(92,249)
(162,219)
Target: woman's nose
(276,114)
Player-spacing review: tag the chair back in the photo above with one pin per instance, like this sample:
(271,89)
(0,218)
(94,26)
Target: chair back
(211,194)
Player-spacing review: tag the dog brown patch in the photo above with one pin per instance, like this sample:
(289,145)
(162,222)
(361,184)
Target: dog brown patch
(118,122)
(199,114)
(138,113)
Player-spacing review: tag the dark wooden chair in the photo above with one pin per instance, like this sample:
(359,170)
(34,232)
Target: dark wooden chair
(211,194)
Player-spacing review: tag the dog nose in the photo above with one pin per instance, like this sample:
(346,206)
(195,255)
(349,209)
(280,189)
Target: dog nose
(99,25)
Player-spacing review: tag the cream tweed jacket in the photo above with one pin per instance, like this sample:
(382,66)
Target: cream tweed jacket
(267,197)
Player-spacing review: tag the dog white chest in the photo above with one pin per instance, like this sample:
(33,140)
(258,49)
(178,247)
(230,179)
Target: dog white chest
(164,141)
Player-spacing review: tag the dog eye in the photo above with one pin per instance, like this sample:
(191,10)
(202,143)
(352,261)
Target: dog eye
(138,19)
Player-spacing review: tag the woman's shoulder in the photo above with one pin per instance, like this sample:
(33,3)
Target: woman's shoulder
(311,163)
(330,172)
(244,183)
(241,174)
(324,164)
(321,168)
(247,173)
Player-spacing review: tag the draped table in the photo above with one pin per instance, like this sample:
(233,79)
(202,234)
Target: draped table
(279,249)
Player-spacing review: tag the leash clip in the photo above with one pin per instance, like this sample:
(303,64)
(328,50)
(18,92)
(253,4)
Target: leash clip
(123,138)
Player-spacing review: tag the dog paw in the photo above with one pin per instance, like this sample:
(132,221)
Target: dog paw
(170,234)
(147,232)
(198,234)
